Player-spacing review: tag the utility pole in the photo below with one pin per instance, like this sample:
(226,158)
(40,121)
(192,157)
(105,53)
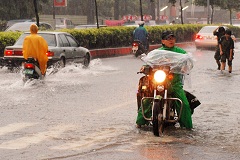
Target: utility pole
(181,11)
(208,12)
(54,21)
(158,10)
(36,12)
(91,13)
(96,13)
(152,4)
(141,10)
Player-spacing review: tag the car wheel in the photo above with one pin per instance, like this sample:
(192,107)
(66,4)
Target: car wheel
(58,65)
(62,62)
(86,60)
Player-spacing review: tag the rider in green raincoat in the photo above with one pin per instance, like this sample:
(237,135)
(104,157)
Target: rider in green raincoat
(168,43)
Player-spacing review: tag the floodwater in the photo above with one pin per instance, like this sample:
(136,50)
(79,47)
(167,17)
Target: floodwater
(90,114)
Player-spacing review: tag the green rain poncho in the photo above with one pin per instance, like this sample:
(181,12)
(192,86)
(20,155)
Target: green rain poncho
(177,91)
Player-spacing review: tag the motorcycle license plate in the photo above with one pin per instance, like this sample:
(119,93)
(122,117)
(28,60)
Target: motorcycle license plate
(135,48)
(28,71)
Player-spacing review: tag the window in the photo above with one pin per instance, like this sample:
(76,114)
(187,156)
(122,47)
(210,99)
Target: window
(72,41)
(50,38)
(64,40)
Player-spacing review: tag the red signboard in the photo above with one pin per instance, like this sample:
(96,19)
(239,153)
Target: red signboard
(163,17)
(135,17)
(238,15)
(60,3)
(114,22)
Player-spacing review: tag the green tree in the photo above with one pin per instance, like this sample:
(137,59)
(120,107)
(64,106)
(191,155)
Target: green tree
(19,9)
(212,4)
(230,5)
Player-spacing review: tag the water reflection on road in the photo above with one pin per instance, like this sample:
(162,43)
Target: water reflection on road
(90,114)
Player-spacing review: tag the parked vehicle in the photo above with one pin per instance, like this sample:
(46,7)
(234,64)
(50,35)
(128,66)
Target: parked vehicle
(62,23)
(88,26)
(25,26)
(11,22)
(62,48)
(31,70)
(205,38)
(137,48)
(153,94)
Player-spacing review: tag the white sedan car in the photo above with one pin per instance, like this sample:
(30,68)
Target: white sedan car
(24,26)
(205,38)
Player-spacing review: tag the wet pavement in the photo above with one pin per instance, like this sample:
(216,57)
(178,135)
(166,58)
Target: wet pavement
(90,114)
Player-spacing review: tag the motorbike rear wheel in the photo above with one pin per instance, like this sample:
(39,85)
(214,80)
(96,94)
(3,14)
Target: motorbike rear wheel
(158,123)
(138,53)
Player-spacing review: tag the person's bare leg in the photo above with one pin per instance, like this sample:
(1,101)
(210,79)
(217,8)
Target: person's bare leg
(230,69)
(223,64)
(219,64)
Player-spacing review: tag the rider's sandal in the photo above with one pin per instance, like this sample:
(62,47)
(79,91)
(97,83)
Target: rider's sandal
(138,126)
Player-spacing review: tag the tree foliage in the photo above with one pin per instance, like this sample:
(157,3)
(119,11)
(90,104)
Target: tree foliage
(24,9)
(19,9)
(230,5)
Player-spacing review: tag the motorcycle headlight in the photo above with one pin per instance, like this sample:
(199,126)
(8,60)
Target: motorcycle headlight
(159,76)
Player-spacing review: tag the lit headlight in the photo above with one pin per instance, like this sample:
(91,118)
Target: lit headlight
(159,76)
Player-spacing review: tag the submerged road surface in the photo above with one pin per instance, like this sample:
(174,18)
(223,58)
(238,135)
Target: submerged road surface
(89,114)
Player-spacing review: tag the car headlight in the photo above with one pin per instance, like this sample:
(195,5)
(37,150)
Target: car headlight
(159,76)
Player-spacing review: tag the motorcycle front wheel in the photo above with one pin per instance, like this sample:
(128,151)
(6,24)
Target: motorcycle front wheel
(158,123)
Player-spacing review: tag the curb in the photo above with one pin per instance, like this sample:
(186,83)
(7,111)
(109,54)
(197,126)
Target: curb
(112,52)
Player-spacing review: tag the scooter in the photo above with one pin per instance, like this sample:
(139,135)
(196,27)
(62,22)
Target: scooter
(137,48)
(31,70)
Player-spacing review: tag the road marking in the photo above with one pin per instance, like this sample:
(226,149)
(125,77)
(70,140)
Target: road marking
(14,127)
(30,139)
(114,107)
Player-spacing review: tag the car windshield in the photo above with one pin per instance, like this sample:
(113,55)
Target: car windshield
(59,21)
(208,29)
(25,26)
(50,38)
(19,27)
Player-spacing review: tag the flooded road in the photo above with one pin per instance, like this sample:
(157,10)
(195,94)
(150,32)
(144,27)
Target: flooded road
(90,114)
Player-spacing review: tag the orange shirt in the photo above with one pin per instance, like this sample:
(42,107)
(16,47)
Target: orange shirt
(36,47)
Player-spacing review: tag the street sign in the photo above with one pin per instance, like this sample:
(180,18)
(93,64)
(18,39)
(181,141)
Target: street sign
(60,3)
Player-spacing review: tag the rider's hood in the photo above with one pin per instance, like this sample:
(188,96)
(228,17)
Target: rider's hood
(33,29)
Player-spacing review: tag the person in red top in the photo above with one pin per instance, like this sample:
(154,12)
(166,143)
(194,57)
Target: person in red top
(35,46)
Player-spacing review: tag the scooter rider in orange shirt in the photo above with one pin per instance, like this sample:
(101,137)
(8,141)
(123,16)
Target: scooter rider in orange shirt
(35,46)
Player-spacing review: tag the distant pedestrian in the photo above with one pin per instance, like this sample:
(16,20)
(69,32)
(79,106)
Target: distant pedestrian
(226,46)
(141,34)
(219,32)
(172,23)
